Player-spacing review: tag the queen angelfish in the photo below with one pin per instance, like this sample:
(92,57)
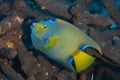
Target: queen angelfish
(64,43)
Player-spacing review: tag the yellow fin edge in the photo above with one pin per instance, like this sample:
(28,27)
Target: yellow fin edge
(82,61)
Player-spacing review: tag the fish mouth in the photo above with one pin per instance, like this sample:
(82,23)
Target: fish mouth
(42,34)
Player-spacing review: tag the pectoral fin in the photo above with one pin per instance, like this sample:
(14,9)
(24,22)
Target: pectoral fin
(52,42)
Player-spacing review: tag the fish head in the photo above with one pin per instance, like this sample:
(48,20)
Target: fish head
(43,32)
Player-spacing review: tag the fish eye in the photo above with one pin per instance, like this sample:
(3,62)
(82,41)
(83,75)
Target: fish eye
(33,25)
(45,26)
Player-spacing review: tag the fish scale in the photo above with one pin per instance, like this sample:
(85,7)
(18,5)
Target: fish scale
(65,40)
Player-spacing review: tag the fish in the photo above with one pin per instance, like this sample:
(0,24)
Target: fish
(64,43)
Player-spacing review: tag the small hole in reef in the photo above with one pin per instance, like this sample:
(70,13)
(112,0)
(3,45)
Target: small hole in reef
(2,16)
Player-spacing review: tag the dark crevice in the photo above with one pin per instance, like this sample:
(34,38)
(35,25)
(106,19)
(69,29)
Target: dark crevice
(2,16)
(34,5)
(17,67)
(4,33)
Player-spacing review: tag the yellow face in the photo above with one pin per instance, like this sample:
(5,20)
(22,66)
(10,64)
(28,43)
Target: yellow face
(40,30)
(43,33)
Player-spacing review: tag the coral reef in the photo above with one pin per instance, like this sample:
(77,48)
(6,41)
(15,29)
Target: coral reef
(20,61)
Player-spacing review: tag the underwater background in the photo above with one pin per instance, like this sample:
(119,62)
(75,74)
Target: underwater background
(19,60)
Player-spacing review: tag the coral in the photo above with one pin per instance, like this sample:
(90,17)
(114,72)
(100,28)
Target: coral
(82,17)
(113,11)
(60,7)
(11,72)
(20,61)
